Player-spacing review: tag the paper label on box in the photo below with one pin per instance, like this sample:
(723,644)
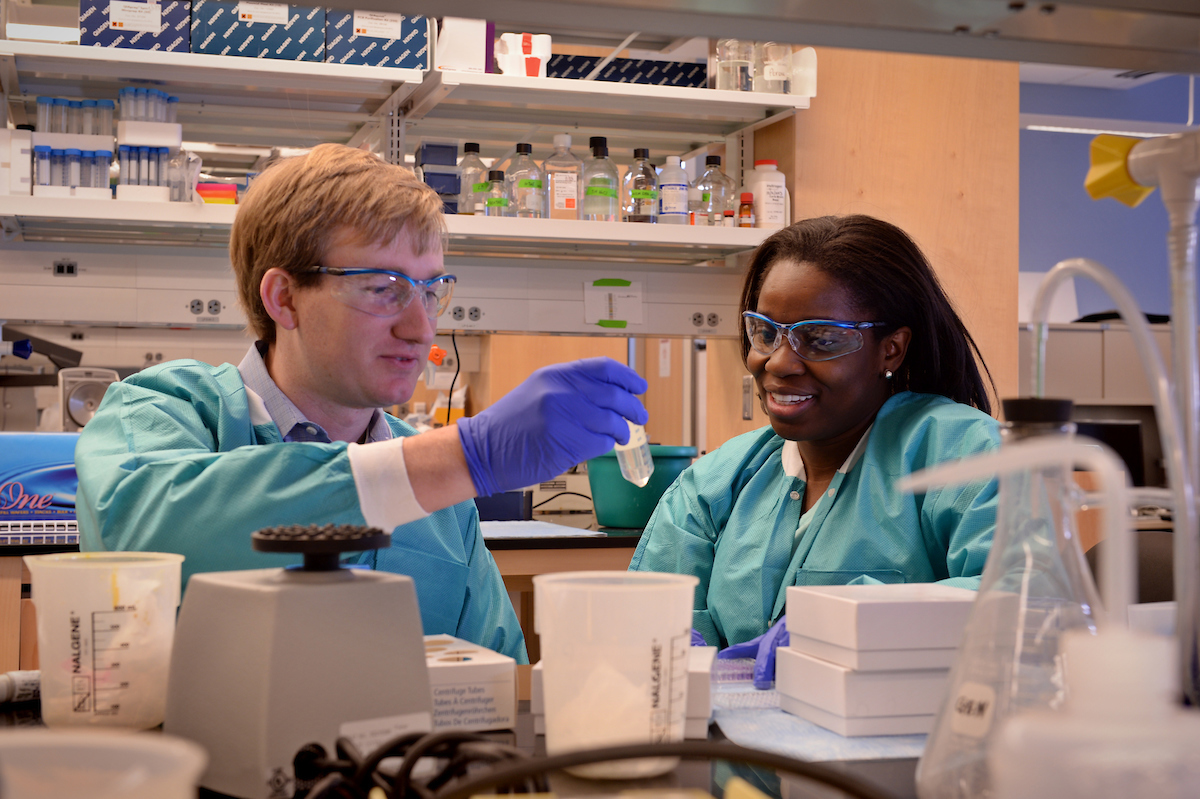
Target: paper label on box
(473,705)
(379,24)
(973,709)
(370,734)
(274,13)
(133,16)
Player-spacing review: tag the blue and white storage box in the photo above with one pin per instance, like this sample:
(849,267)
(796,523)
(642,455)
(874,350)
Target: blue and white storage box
(136,24)
(377,39)
(259,30)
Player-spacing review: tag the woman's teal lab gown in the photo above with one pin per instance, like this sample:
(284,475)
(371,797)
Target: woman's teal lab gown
(171,462)
(731,518)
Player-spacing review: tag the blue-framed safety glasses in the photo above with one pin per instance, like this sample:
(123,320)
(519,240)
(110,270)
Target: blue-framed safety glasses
(384,292)
(812,339)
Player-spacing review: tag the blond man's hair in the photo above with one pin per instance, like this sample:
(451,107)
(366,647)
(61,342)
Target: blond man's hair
(299,207)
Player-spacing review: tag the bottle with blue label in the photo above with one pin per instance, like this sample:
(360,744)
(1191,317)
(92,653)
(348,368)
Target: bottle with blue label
(673,193)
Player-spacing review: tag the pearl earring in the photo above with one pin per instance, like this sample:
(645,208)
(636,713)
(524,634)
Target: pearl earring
(887,375)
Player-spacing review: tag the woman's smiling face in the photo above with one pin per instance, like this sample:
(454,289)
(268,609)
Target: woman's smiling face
(820,401)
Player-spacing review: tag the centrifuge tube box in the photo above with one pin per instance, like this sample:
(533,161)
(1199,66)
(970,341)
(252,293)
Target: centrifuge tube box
(136,24)
(869,617)
(857,727)
(874,659)
(377,39)
(857,694)
(259,30)
(473,687)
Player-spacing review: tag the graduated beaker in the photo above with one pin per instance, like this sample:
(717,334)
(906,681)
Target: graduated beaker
(105,623)
(614,654)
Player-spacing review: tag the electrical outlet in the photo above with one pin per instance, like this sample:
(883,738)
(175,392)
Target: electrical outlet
(698,319)
(196,307)
(474,314)
(714,320)
(214,307)
(458,313)
(65,267)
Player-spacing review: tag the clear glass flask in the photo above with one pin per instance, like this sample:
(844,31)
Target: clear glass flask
(640,189)
(526,189)
(473,183)
(634,456)
(601,189)
(734,59)
(495,201)
(1035,587)
(772,67)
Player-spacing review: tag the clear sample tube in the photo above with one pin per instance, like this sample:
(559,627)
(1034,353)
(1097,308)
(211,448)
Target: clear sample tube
(125,97)
(104,117)
(41,156)
(164,157)
(56,168)
(44,106)
(87,160)
(172,108)
(143,162)
(125,166)
(74,116)
(634,456)
(100,167)
(87,118)
(496,200)
(58,116)
(152,166)
(140,104)
(71,167)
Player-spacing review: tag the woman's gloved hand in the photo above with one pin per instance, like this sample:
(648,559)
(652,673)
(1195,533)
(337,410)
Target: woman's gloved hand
(762,649)
(698,638)
(561,415)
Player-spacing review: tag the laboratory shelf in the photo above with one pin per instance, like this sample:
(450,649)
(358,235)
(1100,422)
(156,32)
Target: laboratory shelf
(182,224)
(244,101)
(503,109)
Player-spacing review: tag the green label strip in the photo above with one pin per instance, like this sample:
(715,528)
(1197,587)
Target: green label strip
(497,202)
(644,194)
(617,323)
(480,188)
(529,184)
(611,281)
(600,191)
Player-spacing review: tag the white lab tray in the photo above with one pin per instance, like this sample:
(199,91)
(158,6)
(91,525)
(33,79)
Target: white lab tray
(904,616)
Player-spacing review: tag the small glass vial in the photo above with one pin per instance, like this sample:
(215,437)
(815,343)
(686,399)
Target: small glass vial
(56,168)
(100,167)
(44,109)
(143,162)
(729,219)
(87,160)
(495,202)
(127,165)
(41,156)
(58,116)
(104,117)
(74,116)
(87,118)
(746,210)
(634,456)
(172,108)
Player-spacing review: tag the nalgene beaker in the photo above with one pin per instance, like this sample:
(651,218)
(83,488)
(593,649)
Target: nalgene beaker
(1035,586)
(105,623)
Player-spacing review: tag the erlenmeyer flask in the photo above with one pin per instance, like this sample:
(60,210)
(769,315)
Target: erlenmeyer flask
(1035,586)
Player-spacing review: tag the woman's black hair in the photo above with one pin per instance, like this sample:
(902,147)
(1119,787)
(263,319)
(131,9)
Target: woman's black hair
(889,279)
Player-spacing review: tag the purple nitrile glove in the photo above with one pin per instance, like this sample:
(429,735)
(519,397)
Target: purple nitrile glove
(762,649)
(697,638)
(561,415)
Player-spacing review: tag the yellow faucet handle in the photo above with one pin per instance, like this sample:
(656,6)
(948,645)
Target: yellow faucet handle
(1109,175)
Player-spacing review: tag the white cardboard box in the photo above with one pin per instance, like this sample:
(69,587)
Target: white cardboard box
(150,134)
(143,194)
(852,728)
(874,659)
(869,617)
(855,694)
(473,688)
(699,701)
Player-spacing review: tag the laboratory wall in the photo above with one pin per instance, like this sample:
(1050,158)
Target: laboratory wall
(1059,220)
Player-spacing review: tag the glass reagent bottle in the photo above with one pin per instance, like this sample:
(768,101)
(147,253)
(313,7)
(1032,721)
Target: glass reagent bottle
(474,180)
(600,186)
(641,189)
(564,179)
(526,190)
(634,456)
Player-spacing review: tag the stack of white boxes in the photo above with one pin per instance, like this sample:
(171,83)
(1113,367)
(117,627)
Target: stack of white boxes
(699,694)
(870,659)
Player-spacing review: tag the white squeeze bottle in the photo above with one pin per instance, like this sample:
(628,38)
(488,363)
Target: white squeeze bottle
(634,456)
(564,176)
(673,193)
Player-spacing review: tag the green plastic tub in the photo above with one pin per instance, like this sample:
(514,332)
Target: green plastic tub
(618,502)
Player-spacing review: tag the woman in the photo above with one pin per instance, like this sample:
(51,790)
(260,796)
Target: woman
(866,374)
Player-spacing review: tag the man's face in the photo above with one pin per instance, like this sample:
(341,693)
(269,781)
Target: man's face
(356,359)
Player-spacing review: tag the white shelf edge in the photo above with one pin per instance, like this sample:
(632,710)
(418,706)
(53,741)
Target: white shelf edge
(120,212)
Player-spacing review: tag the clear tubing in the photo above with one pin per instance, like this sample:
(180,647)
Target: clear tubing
(104,117)
(1171,431)
(152,167)
(74,116)
(58,116)
(1119,559)
(634,456)
(139,104)
(164,160)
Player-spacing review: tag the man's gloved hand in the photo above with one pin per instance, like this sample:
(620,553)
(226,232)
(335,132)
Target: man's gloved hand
(561,415)
(762,649)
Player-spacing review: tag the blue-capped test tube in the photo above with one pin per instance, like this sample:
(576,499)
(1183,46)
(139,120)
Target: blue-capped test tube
(143,162)
(41,155)
(141,104)
(152,166)
(87,160)
(104,117)
(126,165)
(172,108)
(44,106)
(58,116)
(87,118)
(164,158)
(74,116)
(100,169)
(56,168)
(125,97)
(72,169)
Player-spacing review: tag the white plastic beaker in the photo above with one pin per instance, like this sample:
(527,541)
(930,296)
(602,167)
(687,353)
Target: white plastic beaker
(105,623)
(614,659)
(77,764)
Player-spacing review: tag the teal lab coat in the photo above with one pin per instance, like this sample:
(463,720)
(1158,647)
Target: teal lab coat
(731,518)
(171,462)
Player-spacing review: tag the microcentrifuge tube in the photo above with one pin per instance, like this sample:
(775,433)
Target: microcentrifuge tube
(634,456)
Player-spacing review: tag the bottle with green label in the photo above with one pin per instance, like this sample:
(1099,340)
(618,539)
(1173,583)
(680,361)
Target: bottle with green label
(525,185)
(601,189)
(474,180)
(716,193)
(641,189)
(495,199)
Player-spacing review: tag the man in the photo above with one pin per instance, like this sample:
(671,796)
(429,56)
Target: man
(338,260)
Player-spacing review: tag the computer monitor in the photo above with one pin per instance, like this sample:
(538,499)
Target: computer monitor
(1125,438)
